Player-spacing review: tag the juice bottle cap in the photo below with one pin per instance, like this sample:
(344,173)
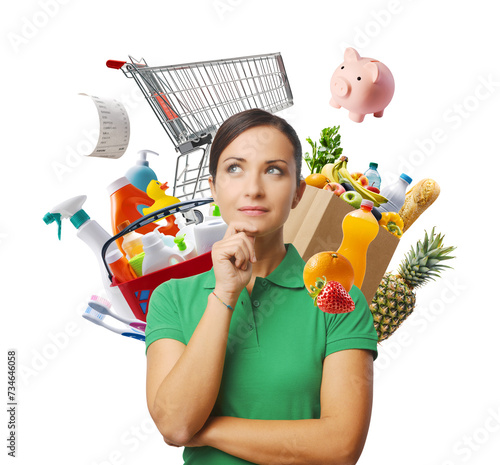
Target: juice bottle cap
(366,204)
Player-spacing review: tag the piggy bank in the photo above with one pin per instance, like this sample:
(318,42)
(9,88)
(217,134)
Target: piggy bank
(361,85)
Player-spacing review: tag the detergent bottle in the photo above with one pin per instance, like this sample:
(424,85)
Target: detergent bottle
(359,228)
(132,241)
(186,249)
(395,194)
(156,254)
(125,198)
(140,175)
(91,232)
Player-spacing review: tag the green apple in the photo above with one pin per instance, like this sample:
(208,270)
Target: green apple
(353,198)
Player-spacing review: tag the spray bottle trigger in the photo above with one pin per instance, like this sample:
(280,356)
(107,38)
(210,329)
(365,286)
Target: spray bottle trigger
(50,218)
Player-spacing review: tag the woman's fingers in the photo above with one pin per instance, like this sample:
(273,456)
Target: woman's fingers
(242,231)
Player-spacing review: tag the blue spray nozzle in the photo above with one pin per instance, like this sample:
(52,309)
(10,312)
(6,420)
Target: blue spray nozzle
(50,218)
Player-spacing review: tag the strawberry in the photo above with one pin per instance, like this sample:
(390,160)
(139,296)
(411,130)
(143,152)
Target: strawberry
(331,297)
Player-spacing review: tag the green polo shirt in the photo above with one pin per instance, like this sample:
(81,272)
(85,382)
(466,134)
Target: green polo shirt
(276,344)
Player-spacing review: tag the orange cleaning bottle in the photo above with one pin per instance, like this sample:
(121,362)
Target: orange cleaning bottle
(125,200)
(359,228)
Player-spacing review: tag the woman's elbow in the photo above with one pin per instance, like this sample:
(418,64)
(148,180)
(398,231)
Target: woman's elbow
(351,452)
(172,433)
(345,451)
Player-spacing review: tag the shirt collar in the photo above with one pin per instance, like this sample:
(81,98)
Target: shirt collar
(289,273)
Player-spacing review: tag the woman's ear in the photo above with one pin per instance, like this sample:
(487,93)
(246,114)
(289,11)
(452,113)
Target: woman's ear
(299,193)
(212,188)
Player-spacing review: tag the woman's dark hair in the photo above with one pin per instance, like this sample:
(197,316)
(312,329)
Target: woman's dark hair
(239,123)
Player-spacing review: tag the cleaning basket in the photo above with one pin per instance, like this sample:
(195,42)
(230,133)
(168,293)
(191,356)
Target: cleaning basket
(137,292)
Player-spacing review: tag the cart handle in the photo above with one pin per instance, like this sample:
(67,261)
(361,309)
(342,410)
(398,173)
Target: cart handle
(115,64)
(157,215)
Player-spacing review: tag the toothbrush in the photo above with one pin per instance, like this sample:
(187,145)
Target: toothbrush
(97,318)
(103,306)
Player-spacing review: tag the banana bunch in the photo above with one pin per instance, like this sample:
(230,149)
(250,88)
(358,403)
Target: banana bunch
(344,176)
(337,172)
(331,170)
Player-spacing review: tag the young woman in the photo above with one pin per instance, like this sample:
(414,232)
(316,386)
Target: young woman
(241,366)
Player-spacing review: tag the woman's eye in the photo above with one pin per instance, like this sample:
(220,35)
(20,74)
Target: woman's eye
(229,168)
(275,167)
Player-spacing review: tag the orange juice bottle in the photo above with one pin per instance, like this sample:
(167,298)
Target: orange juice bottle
(360,228)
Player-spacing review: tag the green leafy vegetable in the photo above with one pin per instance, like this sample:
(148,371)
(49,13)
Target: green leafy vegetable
(328,151)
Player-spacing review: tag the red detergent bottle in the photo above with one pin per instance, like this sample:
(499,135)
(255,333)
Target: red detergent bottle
(125,200)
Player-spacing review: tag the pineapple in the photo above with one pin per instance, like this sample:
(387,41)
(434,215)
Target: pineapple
(395,297)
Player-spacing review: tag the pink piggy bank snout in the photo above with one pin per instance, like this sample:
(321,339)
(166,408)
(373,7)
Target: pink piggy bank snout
(340,86)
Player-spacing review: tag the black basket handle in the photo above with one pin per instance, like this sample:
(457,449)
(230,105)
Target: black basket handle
(157,215)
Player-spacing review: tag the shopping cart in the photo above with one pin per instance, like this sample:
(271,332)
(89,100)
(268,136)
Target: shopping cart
(137,292)
(192,100)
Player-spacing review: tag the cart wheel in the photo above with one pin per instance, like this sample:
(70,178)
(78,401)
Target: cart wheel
(193,216)
(199,216)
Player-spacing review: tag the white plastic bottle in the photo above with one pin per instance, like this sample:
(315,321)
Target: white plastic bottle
(187,230)
(91,232)
(156,254)
(395,195)
(207,233)
(185,248)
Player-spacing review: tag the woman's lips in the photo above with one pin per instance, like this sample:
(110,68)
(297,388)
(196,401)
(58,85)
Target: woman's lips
(253,212)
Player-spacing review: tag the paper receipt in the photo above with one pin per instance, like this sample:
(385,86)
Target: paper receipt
(114,128)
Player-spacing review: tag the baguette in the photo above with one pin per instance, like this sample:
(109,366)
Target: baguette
(417,200)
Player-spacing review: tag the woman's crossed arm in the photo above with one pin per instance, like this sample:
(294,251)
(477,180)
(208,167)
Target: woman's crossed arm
(338,437)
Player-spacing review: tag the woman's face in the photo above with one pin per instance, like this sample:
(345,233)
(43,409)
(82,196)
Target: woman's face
(257,169)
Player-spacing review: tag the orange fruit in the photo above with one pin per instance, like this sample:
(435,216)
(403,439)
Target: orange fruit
(317,180)
(331,264)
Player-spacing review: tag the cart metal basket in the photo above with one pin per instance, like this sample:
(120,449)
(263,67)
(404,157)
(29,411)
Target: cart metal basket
(192,100)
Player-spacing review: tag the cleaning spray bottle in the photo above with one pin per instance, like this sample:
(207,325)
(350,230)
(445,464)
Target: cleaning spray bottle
(140,175)
(91,232)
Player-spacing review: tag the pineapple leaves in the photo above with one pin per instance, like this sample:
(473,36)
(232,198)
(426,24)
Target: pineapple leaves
(423,262)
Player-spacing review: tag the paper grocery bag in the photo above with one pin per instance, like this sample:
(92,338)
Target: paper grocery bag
(315,225)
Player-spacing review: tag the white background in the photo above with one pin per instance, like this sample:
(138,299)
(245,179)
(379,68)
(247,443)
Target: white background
(81,389)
